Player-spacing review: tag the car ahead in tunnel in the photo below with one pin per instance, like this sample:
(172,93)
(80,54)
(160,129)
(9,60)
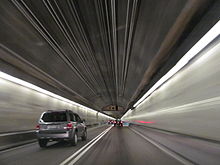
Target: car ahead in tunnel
(57,125)
(111,122)
(118,123)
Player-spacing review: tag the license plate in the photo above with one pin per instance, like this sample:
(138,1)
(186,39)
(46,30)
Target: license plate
(51,126)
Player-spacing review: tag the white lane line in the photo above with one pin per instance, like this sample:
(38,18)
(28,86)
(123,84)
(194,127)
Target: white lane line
(167,151)
(76,153)
(82,153)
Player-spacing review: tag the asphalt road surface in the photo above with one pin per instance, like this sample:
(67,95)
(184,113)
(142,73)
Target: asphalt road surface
(107,145)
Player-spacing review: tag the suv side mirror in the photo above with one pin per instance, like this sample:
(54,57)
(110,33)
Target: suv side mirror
(83,121)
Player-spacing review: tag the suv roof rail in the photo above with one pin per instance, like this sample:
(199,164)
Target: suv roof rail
(57,110)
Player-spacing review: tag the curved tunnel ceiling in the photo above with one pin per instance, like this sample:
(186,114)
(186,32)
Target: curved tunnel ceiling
(101,53)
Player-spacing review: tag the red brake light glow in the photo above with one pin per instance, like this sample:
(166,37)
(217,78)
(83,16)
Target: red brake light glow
(38,127)
(69,126)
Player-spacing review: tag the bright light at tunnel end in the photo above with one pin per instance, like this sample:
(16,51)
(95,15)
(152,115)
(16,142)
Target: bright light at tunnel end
(41,90)
(201,44)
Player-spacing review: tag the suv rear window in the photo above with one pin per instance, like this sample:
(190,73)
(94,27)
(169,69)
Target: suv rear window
(54,117)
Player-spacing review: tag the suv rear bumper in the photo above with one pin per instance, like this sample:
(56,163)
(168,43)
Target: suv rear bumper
(53,135)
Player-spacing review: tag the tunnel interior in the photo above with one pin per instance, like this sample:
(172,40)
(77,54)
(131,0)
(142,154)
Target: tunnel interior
(102,54)
(142,75)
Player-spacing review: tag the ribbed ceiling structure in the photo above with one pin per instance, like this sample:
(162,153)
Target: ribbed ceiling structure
(95,52)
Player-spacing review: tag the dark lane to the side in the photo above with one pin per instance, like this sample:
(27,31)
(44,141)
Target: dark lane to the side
(122,146)
(55,153)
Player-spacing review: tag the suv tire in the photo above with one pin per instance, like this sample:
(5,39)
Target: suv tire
(42,143)
(84,137)
(74,141)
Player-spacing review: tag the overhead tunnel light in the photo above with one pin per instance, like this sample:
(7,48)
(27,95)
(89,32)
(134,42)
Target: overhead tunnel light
(41,90)
(201,44)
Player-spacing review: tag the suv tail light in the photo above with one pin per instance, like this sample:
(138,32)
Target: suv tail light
(38,127)
(69,126)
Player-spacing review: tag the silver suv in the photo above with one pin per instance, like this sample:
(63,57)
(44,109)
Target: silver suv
(56,125)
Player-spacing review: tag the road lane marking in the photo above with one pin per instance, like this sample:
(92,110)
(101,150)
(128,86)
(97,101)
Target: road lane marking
(82,153)
(90,143)
(164,149)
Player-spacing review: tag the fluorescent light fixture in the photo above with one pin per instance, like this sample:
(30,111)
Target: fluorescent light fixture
(41,90)
(201,44)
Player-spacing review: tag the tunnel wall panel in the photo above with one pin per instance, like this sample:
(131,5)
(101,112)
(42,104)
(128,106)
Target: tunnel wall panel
(21,107)
(187,103)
